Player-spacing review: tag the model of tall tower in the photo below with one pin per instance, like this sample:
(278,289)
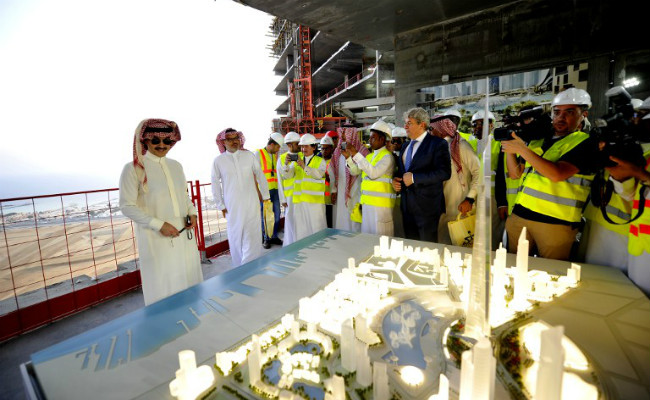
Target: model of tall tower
(477,321)
(380,389)
(255,360)
(364,370)
(348,346)
(551,364)
(522,286)
(477,372)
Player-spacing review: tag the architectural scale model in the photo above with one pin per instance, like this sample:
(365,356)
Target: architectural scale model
(411,323)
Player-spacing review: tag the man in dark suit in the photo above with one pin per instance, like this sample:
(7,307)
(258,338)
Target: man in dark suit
(423,165)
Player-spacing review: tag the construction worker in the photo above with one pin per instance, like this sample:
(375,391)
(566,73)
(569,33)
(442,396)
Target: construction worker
(267,157)
(455,117)
(398,137)
(285,167)
(376,169)
(309,189)
(327,148)
(556,179)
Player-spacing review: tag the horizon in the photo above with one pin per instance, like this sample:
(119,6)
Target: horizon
(79,76)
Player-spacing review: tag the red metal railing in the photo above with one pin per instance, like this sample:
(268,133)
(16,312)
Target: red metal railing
(65,252)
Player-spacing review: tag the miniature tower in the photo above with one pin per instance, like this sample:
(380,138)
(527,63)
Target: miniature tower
(336,385)
(364,370)
(478,371)
(443,389)
(255,360)
(551,364)
(380,389)
(348,345)
(190,381)
(479,287)
(521,273)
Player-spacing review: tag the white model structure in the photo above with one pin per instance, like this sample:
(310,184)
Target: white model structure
(551,365)
(348,347)
(190,381)
(380,381)
(478,372)
(364,369)
(335,388)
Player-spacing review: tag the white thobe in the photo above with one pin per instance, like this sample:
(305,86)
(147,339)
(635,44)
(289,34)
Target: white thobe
(458,187)
(375,220)
(234,189)
(342,211)
(167,265)
(286,172)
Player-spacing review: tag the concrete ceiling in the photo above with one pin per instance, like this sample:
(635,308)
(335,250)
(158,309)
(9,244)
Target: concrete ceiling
(372,23)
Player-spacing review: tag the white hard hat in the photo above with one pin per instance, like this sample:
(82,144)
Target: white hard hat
(306,139)
(399,132)
(645,106)
(277,138)
(292,137)
(382,126)
(480,114)
(392,126)
(326,140)
(454,113)
(636,103)
(572,96)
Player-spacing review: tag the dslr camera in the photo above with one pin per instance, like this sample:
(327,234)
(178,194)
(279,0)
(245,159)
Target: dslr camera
(529,125)
(621,138)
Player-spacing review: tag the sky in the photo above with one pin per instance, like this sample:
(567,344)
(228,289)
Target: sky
(77,76)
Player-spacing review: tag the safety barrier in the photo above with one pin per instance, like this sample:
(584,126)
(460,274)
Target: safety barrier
(65,252)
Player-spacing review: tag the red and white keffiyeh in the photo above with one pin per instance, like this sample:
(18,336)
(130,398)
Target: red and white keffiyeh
(445,127)
(221,139)
(350,136)
(148,129)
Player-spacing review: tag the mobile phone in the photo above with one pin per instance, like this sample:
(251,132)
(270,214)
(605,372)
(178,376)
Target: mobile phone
(344,145)
(293,157)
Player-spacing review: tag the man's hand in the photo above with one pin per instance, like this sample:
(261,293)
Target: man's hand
(397,184)
(287,160)
(625,170)
(224,211)
(333,197)
(301,162)
(408,179)
(168,230)
(503,212)
(352,151)
(193,221)
(465,206)
(285,205)
(345,152)
(514,146)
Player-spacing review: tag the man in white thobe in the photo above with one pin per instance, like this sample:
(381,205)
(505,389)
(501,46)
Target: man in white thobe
(462,187)
(348,187)
(236,175)
(153,193)
(378,169)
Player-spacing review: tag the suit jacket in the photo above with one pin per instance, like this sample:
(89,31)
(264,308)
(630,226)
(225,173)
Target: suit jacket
(430,166)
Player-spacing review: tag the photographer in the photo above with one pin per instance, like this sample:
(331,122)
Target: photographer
(556,178)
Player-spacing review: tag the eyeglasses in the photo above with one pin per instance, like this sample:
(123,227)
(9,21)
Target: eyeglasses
(167,141)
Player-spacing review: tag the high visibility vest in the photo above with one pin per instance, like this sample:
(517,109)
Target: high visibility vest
(469,138)
(495,153)
(562,200)
(512,186)
(377,192)
(306,188)
(638,239)
(328,193)
(268,167)
(618,210)
(287,184)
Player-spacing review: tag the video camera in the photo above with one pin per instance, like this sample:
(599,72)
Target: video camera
(528,125)
(621,137)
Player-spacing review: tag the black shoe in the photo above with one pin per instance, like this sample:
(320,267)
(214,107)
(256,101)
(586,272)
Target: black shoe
(266,244)
(277,241)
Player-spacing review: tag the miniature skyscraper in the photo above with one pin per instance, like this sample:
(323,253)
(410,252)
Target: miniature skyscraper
(551,364)
(478,372)
(255,360)
(348,345)
(380,389)
(477,324)
(522,286)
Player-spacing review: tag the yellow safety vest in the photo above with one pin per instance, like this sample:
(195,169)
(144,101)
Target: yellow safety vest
(512,186)
(638,239)
(377,192)
(268,167)
(618,210)
(495,153)
(469,138)
(562,200)
(306,188)
(287,184)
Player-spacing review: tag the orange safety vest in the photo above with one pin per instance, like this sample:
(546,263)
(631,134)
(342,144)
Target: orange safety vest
(268,167)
